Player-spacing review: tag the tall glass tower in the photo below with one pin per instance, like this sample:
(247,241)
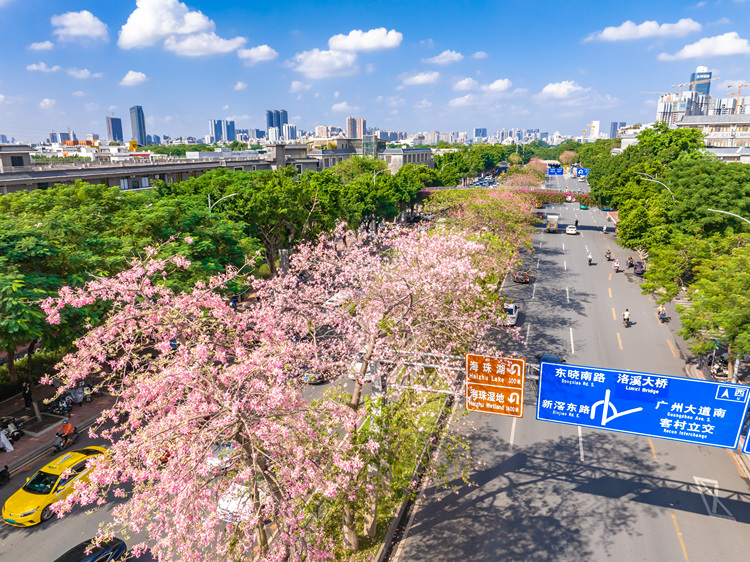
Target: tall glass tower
(138,124)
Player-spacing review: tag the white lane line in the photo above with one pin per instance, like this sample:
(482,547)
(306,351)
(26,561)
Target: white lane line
(526,339)
(563,246)
(565,265)
(537,262)
(512,431)
(533,291)
(580,441)
(572,347)
(587,248)
(709,488)
(567,294)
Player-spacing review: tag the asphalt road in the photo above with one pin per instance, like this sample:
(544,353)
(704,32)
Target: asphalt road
(547,491)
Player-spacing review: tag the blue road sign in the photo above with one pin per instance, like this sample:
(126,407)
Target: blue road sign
(746,448)
(582,171)
(681,409)
(555,171)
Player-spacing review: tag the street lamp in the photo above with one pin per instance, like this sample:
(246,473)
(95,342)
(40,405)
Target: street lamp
(653,179)
(728,213)
(210,206)
(375,174)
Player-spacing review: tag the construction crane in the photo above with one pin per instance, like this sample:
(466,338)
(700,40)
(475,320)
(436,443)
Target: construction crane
(586,130)
(738,93)
(692,85)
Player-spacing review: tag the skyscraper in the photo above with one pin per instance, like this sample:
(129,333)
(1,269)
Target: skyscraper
(269,119)
(480,133)
(701,73)
(283,118)
(214,129)
(227,131)
(276,118)
(114,129)
(361,127)
(289,131)
(614,126)
(138,125)
(351,127)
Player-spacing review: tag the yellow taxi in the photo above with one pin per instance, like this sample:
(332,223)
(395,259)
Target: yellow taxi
(32,504)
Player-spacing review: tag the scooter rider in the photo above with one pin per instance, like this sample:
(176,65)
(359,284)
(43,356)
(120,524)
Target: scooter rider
(576,223)
(65,431)
(608,255)
(626,317)
(616,266)
(590,257)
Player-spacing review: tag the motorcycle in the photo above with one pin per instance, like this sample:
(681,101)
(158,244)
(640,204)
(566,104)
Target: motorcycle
(75,395)
(13,426)
(662,317)
(630,262)
(617,267)
(90,392)
(66,441)
(626,322)
(589,259)
(608,255)
(59,406)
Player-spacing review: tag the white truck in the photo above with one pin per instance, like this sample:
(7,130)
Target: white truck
(552,222)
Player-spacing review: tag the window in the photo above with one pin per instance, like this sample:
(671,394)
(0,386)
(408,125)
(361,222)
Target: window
(134,184)
(16,160)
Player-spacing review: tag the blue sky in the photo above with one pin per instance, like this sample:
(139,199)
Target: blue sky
(411,66)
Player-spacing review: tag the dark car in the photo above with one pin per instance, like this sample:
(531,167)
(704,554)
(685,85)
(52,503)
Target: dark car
(108,551)
(521,277)
(549,358)
(608,209)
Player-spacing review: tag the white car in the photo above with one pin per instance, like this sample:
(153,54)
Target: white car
(571,229)
(512,314)
(238,501)
(356,367)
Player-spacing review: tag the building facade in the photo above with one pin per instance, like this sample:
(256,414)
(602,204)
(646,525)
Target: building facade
(351,127)
(138,125)
(361,128)
(114,129)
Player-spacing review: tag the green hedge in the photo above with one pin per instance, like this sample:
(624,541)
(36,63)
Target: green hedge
(42,362)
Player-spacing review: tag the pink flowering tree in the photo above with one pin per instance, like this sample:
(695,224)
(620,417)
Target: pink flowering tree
(375,307)
(209,422)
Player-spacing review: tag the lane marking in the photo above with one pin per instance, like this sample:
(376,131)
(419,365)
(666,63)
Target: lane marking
(650,444)
(672,348)
(537,262)
(528,329)
(572,346)
(710,488)
(610,276)
(512,431)
(567,294)
(610,292)
(619,341)
(614,316)
(580,441)
(563,246)
(679,536)
(565,265)
(533,291)
(587,248)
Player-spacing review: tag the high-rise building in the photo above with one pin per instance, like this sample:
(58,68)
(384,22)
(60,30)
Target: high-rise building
(283,118)
(269,119)
(701,73)
(480,133)
(361,128)
(276,118)
(114,129)
(351,127)
(214,129)
(615,126)
(54,137)
(289,131)
(138,125)
(157,139)
(93,137)
(273,134)
(227,131)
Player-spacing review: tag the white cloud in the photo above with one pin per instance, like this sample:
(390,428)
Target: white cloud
(429,77)
(373,40)
(261,53)
(500,85)
(465,84)
(239,86)
(79,94)
(47,103)
(79,25)
(628,30)
(479,55)
(225,107)
(42,46)
(133,78)
(202,44)
(446,57)
(336,94)
(325,64)
(721,45)
(369,68)
(91,106)
(561,90)
(343,106)
(244,117)
(2,98)
(298,87)
(111,108)
(423,104)
(42,67)
(183,31)
(83,73)
(463,101)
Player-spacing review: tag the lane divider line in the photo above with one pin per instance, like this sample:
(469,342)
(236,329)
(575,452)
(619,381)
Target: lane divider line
(614,316)
(567,294)
(653,450)
(533,291)
(610,292)
(619,341)
(526,339)
(672,348)
(679,536)
(572,346)
(565,265)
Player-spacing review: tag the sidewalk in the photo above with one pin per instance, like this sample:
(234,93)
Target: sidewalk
(38,437)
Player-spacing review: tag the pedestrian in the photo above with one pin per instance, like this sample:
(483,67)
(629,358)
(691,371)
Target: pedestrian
(26,391)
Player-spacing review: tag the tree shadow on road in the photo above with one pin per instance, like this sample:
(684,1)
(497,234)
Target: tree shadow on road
(544,504)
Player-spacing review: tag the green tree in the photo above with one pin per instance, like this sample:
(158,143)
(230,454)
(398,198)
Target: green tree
(356,166)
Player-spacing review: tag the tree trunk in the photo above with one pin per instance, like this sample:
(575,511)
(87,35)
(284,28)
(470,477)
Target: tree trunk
(271,259)
(12,364)
(29,353)
(351,540)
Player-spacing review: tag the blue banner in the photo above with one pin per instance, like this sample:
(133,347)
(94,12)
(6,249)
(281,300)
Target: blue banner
(555,171)
(582,171)
(676,408)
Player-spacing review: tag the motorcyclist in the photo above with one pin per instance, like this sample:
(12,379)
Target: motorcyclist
(608,255)
(604,229)
(661,311)
(616,266)
(590,257)
(630,261)
(576,223)
(65,431)
(626,317)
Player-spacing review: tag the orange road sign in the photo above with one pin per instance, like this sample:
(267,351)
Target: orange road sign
(494,385)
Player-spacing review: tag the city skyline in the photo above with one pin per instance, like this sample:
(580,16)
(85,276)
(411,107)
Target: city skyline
(188,62)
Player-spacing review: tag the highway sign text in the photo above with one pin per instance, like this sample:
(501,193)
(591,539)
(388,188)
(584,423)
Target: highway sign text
(494,385)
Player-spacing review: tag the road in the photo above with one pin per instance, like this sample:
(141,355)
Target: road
(547,491)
